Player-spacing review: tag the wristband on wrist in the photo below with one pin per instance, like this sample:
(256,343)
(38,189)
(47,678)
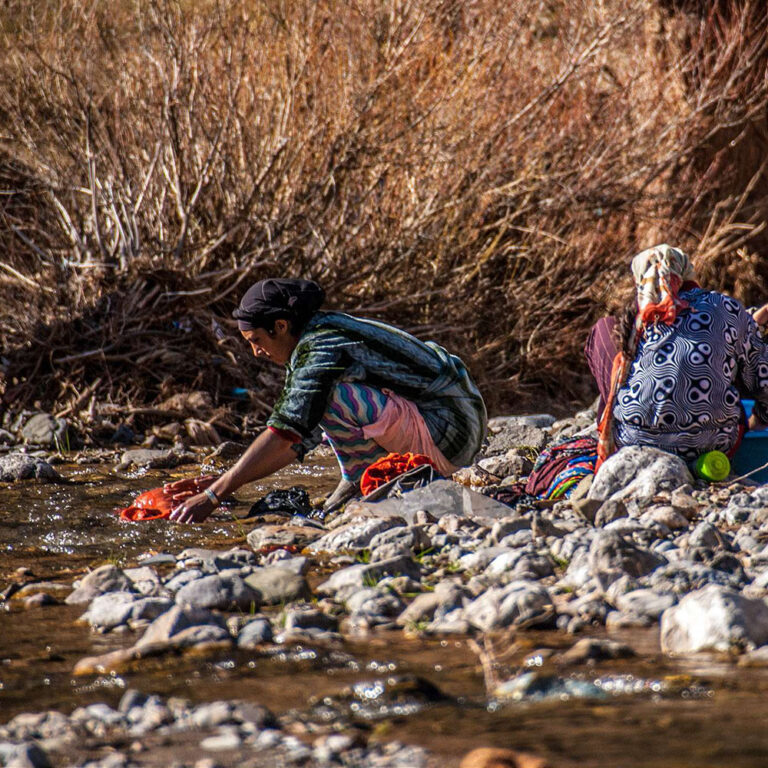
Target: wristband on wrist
(212,497)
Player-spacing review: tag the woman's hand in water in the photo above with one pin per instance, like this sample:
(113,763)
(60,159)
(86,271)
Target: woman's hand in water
(194,509)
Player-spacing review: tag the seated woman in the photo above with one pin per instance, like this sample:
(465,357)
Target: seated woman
(672,373)
(372,389)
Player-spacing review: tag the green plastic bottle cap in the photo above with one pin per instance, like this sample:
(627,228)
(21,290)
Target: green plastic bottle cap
(713,466)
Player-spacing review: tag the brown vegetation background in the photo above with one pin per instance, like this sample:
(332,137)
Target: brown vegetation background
(478,172)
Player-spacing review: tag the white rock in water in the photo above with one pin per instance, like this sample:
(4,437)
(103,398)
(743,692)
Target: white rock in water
(639,472)
(714,618)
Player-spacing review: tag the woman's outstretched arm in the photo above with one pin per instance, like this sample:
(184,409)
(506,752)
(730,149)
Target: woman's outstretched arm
(268,453)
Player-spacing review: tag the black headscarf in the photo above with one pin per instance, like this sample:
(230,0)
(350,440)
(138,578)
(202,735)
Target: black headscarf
(275,298)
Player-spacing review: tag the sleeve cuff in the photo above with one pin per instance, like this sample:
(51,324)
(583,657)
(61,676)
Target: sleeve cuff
(286,434)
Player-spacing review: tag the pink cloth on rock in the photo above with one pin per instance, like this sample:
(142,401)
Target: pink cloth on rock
(402,429)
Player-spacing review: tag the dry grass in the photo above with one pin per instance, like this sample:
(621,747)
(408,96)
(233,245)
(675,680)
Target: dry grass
(478,172)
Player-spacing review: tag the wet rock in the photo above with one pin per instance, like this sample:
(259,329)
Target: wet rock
(107,578)
(176,620)
(131,699)
(267,537)
(309,618)
(222,591)
(25,755)
(517,604)
(144,579)
(107,663)
(101,712)
(645,603)
(20,466)
(276,585)
(212,714)
(714,618)
(40,600)
(585,610)
(149,458)
(383,697)
(639,472)
(221,742)
(446,597)
(366,574)
(284,559)
(178,580)
(161,558)
(594,649)
(37,726)
(374,604)
(202,638)
(149,716)
(537,686)
(45,430)
(327,748)
(619,620)
(116,608)
(215,561)
(255,633)
(611,556)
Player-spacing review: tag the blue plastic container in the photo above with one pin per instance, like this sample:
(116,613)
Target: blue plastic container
(752,453)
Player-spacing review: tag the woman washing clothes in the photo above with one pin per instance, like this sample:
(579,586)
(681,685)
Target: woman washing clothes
(370,388)
(672,372)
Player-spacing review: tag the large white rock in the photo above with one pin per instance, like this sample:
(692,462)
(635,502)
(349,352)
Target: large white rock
(714,618)
(639,472)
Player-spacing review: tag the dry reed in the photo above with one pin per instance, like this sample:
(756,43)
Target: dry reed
(477,172)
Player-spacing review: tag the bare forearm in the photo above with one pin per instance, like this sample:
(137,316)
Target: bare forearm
(268,453)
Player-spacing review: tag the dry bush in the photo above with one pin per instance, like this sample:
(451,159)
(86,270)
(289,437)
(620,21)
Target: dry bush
(479,173)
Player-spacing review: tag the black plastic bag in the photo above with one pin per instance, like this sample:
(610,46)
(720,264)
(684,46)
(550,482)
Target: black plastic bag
(294,501)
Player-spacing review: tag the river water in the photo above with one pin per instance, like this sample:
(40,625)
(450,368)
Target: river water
(653,711)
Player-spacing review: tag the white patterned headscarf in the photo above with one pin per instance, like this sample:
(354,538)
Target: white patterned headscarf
(659,272)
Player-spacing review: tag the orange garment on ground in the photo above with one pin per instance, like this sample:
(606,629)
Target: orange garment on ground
(159,502)
(390,467)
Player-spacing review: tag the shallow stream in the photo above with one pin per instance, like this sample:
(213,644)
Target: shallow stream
(652,711)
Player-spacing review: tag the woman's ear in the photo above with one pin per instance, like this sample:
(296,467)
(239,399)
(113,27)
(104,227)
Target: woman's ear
(282,327)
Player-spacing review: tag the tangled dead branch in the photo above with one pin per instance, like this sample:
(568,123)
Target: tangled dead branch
(477,174)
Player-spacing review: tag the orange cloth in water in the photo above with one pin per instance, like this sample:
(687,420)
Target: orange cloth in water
(388,468)
(159,502)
